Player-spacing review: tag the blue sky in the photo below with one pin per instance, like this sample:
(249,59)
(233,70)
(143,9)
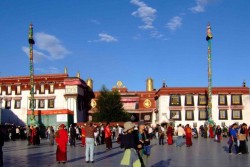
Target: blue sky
(129,40)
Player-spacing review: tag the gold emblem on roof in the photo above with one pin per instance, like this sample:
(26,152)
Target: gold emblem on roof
(119,84)
(147,103)
(93,103)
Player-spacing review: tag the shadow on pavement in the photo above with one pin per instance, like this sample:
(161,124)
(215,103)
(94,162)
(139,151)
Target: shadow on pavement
(162,163)
(108,156)
(76,159)
(225,148)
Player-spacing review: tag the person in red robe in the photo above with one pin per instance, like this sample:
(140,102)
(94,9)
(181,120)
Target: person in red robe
(33,135)
(83,136)
(188,131)
(170,135)
(211,131)
(61,140)
(108,135)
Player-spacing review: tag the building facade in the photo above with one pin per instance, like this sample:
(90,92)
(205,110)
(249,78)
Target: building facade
(189,105)
(58,99)
(63,99)
(140,104)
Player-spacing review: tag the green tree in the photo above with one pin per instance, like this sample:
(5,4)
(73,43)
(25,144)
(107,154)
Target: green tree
(110,107)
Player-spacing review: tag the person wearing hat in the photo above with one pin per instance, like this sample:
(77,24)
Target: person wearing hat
(144,140)
(61,140)
(130,141)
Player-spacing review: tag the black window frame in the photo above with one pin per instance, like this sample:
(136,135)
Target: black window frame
(39,103)
(40,89)
(188,119)
(241,116)
(171,115)
(179,99)
(226,114)
(6,104)
(202,119)
(49,103)
(20,90)
(15,106)
(51,91)
(199,100)
(219,100)
(7,90)
(240,96)
(192,96)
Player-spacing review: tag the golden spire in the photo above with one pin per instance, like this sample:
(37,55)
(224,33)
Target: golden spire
(150,85)
(90,83)
(78,75)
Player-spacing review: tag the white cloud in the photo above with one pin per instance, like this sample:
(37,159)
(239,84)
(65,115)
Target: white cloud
(50,70)
(146,13)
(200,6)
(104,37)
(52,45)
(48,47)
(107,38)
(95,22)
(37,56)
(174,23)
(156,34)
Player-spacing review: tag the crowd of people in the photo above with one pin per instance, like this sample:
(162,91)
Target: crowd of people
(135,139)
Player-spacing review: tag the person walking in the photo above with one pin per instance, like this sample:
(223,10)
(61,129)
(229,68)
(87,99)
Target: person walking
(211,131)
(83,135)
(130,143)
(61,140)
(90,143)
(246,132)
(28,133)
(218,132)
(37,136)
(180,133)
(1,145)
(188,132)
(233,139)
(108,135)
(242,139)
(161,135)
(144,141)
(72,137)
(205,135)
(201,130)
(170,134)
(51,135)
(102,134)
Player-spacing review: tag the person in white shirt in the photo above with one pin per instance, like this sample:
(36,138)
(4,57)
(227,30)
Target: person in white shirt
(180,133)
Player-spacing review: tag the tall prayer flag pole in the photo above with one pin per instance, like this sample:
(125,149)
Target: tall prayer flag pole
(31,43)
(209,108)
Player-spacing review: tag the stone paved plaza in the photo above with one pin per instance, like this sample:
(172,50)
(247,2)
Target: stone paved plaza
(203,153)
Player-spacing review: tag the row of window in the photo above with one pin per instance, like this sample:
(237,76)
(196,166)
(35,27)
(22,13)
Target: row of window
(175,100)
(19,92)
(41,104)
(189,115)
